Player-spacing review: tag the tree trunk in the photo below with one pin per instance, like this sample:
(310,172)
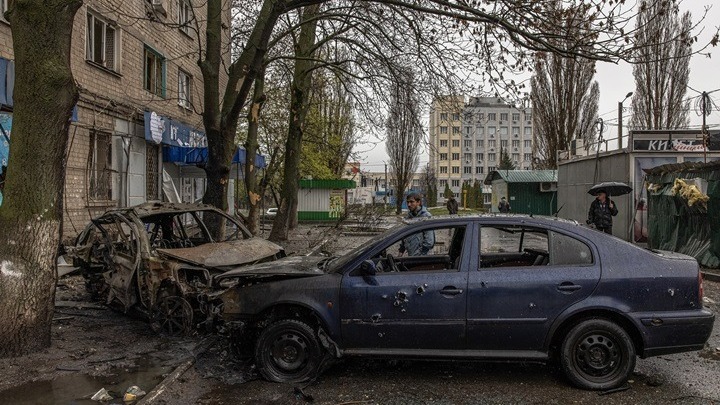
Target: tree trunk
(299,103)
(31,214)
(254,191)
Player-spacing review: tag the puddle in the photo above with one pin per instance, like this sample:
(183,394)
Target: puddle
(78,388)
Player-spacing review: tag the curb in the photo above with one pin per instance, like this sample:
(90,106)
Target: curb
(710,276)
(160,388)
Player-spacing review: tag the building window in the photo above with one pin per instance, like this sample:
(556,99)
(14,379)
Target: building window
(443,116)
(184,89)
(443,169)
(3,9)
(455,156)
(154,73)
(456,183)
(503,143)
(479,131)
(503,130)
(100,166)
(491,169)
(527,143)
(456,143)
(443,184)
(185,15)
(528,116)
(481,116)
(487,198)
(516,116)
(503,116)
(443,130)
(456,130)
(491,131)
(101,42)
(468,143)
(516,144)
(515,157)
(515,130)
(443,156)
(478,157)
(491,116)
(527,157)
(478,170)
(467,130)
(491,157)
(443,143)
(479,143)
(456,116)
(528,131)
(456,169)
(467,170)
(491,143)
(467,156)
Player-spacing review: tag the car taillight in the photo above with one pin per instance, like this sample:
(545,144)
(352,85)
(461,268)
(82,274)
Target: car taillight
(700,289)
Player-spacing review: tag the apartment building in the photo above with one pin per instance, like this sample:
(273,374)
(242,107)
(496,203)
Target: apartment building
(466,139)
(138,117)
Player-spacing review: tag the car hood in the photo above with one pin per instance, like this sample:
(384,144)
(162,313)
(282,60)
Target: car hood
(224,254)
(295,266)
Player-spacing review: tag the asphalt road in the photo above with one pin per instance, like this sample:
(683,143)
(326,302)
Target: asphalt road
(687,378)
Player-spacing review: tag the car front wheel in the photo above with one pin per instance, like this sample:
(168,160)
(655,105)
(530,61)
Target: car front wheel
(288,351)
(597,355)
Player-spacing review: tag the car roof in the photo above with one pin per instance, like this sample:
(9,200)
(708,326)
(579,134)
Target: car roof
(154,208)
(535,219)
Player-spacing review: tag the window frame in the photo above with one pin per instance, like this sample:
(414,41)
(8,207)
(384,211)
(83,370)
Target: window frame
(91,17)
(4,4)
(185,16)
(148,51)
(185,102)
(97,175)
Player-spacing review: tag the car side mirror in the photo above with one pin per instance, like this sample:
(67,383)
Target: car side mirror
(368,268)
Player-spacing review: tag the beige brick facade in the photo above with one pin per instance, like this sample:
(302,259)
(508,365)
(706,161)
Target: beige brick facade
(113,100)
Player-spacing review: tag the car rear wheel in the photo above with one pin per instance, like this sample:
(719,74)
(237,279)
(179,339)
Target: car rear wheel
(288,351)
(597,355)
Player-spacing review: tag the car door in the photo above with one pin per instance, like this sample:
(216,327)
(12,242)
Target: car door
(420,307)
(512,304)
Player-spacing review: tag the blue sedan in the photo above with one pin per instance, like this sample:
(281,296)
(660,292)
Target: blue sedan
(510,288)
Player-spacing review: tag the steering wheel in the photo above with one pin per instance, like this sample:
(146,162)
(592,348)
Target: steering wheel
(392,264)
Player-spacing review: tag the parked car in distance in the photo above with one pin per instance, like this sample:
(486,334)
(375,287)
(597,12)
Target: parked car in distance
(159,258)
(498,287)
(271,212)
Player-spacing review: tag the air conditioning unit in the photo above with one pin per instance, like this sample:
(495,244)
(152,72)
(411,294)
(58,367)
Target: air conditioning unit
(548,187)
(492,149)
(500,122)
(467,162)
(159,6)
(515,135)
(515,149)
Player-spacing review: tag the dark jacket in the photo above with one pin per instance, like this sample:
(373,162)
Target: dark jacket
(419,243)
(452,206)
(504,206)
(601,214)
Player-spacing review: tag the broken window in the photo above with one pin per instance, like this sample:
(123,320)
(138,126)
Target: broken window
(99,166)
(428,249)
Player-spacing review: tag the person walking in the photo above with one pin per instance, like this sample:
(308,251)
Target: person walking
(504,206)
(452,205)
(602,209)
(419,243)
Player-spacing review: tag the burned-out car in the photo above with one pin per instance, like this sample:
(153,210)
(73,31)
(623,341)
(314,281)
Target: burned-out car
(508,288)
(160,258)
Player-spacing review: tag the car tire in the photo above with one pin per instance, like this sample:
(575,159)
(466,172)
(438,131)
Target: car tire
(597,354)
(289,351)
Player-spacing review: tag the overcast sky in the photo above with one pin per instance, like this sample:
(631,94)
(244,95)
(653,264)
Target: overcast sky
(616,80)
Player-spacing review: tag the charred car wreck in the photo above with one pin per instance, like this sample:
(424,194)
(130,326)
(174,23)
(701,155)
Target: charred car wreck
(510,288)
(159,258)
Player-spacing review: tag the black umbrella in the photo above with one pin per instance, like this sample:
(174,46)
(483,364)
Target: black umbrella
(614,188)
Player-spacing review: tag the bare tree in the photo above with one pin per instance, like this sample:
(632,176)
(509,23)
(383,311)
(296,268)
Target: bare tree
(564,95)
(662,69)
(404,133)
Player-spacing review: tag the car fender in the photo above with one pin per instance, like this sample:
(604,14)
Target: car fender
(598,306)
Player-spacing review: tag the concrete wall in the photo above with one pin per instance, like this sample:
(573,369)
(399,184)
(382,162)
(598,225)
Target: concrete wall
(575,177)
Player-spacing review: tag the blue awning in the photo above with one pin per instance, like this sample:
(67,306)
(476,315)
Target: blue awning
(194,156)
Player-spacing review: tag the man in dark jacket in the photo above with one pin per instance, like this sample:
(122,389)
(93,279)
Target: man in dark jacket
(504,206)
(601,212)
(452,205)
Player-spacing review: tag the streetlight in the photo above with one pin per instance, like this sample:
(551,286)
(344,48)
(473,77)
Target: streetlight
(620,113)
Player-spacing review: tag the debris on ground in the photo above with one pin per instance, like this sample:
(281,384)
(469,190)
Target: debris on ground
(102,396)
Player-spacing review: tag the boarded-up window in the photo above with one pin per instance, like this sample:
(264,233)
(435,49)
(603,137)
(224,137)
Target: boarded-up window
(99,166)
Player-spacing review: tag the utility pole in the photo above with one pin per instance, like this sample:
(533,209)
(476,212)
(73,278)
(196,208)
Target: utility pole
(704,111)
(386,188)
(620,119)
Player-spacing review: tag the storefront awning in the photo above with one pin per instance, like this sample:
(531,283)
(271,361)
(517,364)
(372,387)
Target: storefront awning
(194,156)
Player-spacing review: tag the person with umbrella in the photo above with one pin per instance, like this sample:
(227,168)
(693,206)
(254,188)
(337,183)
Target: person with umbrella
(602,209)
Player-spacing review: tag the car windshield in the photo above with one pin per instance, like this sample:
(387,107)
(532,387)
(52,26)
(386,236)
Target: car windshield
(338,264)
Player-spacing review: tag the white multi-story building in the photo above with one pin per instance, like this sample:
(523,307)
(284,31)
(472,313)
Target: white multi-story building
(466,139)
